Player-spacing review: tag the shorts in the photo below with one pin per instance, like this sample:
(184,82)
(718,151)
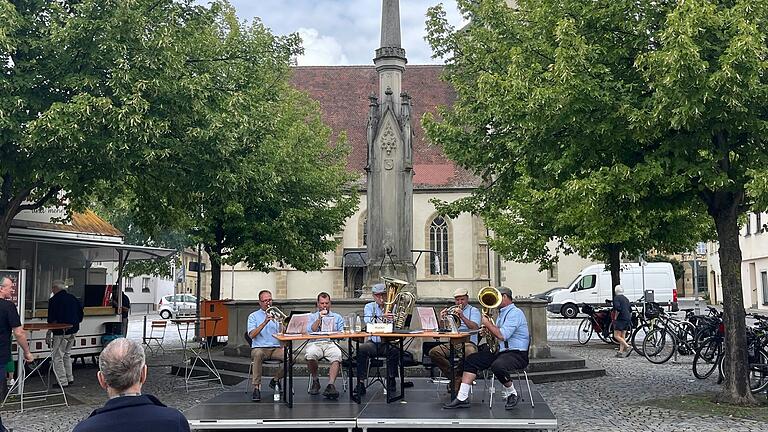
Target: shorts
(621,325)
(10,367)
(323,350)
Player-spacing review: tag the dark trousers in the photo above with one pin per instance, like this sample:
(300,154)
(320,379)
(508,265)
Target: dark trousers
(3,391)
(499,363)
(377,349)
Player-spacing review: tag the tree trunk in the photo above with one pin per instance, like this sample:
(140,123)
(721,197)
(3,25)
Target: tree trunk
(736,387)
(4,246)
(614,263)
(215,279)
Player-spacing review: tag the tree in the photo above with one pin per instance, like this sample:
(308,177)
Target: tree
(81,85)
(671,94)
(257,179)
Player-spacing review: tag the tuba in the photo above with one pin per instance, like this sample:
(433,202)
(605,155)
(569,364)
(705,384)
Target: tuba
(276,314)
(397,300)
(490,299)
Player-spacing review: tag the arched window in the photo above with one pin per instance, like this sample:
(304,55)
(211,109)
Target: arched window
(438,242)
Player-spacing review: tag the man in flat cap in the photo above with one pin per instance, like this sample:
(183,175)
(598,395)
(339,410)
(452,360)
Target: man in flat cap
(374,312)
(511,330)
(468,319)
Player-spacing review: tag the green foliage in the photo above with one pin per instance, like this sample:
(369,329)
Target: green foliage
(545,94)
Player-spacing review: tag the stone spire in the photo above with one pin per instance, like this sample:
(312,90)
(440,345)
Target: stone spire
(390,161)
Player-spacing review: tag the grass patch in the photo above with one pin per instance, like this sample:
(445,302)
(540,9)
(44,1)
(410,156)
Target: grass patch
(703,404)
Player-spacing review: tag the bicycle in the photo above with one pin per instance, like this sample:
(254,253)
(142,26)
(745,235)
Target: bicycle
(595,321)
(673,337)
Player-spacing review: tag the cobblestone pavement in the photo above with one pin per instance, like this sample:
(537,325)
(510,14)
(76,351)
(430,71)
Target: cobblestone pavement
(613,401)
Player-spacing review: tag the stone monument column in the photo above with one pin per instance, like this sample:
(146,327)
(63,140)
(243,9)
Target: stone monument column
(390,161)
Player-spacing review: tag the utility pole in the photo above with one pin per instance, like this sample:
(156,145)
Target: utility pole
(197,292)
(696,284)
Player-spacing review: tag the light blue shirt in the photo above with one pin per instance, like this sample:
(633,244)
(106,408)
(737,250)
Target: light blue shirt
(265,338)
(338,324)
(473,314)
(514,328)
(372,313)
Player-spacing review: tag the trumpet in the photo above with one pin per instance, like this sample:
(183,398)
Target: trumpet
(490,299)
(276,314)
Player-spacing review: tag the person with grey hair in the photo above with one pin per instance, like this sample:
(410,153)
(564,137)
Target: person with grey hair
(63,308)
(511,330)
(10,322)
(122,372)
(622,311)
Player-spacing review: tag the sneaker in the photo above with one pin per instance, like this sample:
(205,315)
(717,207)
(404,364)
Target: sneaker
(360,388)
(456,403)
(315,388)
(256,396)
(619,355)
(512,401)
(330,392)
(273,383)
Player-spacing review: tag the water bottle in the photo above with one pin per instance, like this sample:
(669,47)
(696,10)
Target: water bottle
(277,393)
(358,324)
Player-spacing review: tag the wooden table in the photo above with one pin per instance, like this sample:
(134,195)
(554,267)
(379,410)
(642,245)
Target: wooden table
(197,354)
(39,395)
(396,339)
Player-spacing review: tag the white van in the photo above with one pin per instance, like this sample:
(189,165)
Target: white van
(593,286)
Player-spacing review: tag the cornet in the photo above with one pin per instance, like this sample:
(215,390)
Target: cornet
(276,314)
(451,317)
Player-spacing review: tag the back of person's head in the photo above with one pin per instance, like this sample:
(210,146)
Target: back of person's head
(58,285)
(121,364)
(618,290)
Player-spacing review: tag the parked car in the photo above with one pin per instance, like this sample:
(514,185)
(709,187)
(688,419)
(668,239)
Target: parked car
(176,305)
(547,295)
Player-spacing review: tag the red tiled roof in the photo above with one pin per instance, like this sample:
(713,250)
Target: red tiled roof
(343,91)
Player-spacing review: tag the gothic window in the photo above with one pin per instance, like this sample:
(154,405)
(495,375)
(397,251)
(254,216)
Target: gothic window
(438,242)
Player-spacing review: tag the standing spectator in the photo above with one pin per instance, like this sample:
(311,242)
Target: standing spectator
(124,311)
(63,308)
(10,322)
(122,372)
(623,321)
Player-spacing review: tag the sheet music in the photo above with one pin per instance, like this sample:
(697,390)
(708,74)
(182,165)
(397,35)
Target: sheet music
(428,318)
(328,324)
(297,324)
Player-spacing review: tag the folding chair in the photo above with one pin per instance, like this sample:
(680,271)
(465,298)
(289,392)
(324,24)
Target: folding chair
(267,363)
(156,336)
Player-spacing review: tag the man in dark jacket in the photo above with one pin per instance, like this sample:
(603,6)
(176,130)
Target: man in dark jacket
(623,322)
(63,308)
(122,372)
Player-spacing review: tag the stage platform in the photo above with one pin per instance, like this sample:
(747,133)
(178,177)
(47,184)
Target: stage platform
(233,410)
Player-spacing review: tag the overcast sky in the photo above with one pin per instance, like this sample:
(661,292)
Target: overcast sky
(344,32)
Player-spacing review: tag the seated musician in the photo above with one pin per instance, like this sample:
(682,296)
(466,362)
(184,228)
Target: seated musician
(511,330)
(374,312)
(324,348)
(469,319)
(264,346)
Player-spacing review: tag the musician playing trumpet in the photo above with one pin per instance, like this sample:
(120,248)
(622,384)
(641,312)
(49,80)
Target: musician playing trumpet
(261,329)
(468,318)
(511,331)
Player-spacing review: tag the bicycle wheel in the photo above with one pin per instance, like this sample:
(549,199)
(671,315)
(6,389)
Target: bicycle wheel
(638,336)
(686,338)
(659,345)
(585,331)
(707,358)
(758,373)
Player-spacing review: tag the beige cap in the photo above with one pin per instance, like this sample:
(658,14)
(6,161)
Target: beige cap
(460,292)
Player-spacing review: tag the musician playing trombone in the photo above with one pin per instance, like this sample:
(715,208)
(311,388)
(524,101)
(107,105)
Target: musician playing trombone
(511,332)
(374,312)
(261,329)
(468,318)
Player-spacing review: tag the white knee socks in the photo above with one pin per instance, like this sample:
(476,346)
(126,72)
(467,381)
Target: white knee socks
(506,391)
(463,392)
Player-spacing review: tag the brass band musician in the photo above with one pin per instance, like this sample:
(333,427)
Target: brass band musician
(374,312)
(324,348)
(469,319)
(261,329)
(511,331)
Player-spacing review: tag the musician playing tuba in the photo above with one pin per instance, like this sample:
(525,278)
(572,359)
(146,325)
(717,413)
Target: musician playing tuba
(511,331)
(469,319)
(262,327)
(374,347)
